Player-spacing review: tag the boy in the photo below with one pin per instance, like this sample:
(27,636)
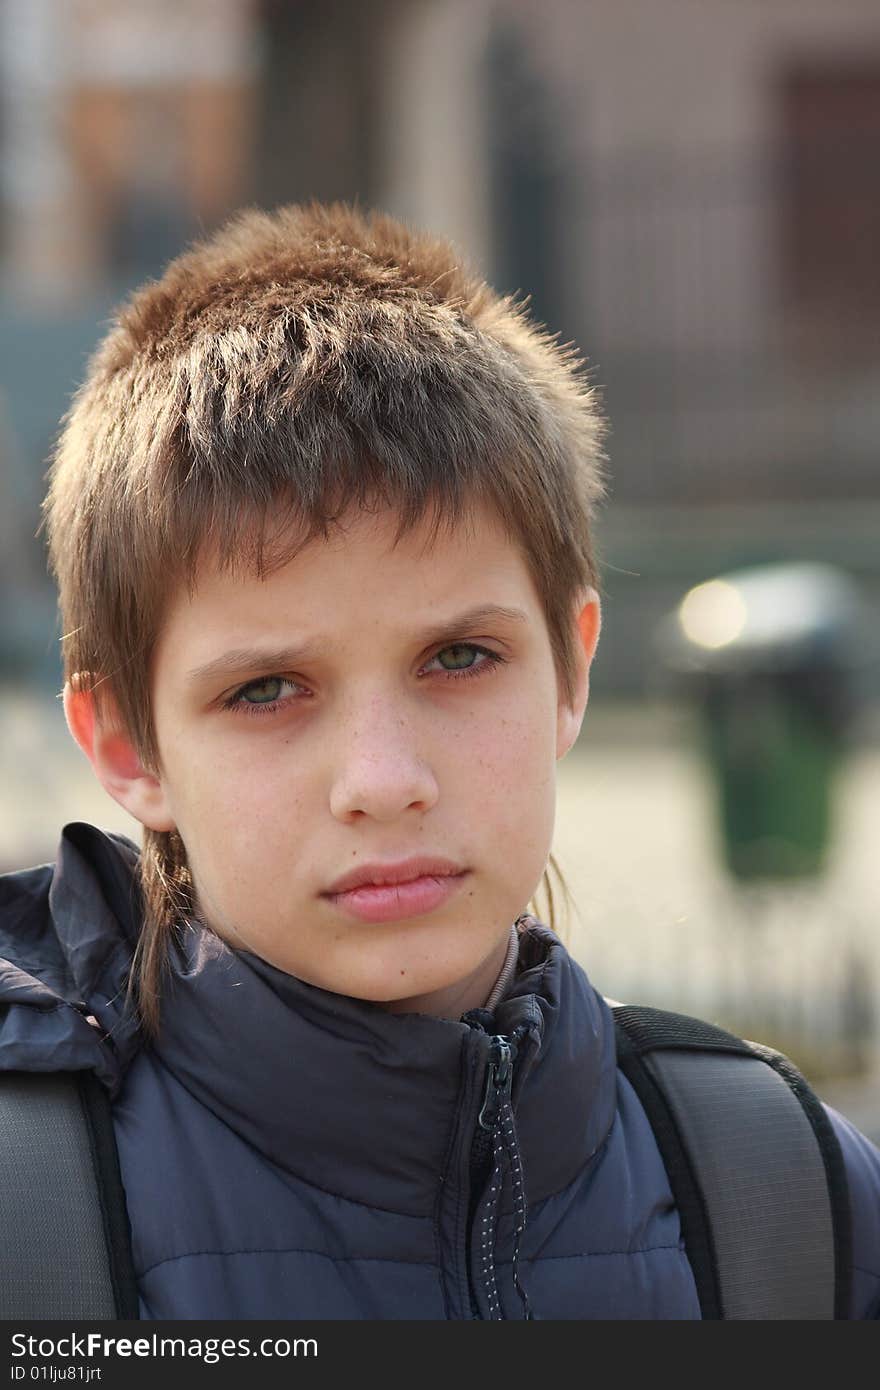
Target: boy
(320,518)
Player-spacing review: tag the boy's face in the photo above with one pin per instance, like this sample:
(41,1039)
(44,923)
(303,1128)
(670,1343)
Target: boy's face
(345,712)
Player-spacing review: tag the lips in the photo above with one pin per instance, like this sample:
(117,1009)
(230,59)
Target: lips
(401,871)
(390,892)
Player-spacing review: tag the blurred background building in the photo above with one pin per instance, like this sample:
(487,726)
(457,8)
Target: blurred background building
(689,190)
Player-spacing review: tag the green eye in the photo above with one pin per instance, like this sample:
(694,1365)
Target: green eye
(461,651)
(262,692)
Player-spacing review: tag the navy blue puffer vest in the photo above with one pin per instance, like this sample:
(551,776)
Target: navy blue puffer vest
(290,1153)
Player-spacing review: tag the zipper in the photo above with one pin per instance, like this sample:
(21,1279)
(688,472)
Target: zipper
(497,1090)
(499,1074)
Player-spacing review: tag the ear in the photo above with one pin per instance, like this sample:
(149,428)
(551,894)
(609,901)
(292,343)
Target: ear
(588,621)
(112,754)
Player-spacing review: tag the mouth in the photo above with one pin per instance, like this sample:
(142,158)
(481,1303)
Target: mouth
(391,902)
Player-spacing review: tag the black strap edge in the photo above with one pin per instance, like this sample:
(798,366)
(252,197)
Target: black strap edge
(650,1030)
(835,1171)
(111,1193)
(688,1196)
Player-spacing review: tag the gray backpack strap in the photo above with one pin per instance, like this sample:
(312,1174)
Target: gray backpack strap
(63,1221)
(754,1166)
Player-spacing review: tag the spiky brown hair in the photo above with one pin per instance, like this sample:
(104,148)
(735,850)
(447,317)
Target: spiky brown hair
(295,364)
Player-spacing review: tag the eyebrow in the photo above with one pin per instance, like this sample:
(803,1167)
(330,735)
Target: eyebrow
(241,660)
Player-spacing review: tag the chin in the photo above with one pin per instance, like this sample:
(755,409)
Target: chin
(391,982)
(408,986)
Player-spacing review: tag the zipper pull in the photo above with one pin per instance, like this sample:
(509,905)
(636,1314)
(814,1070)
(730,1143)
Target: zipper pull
(499,1075)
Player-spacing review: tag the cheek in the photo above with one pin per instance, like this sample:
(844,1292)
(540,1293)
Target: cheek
(237,812)
(513,755)
(513,781)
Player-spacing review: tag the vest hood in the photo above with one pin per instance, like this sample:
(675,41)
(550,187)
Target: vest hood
(67,933)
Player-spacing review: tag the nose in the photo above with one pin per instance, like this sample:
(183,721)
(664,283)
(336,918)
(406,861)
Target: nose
(380,772)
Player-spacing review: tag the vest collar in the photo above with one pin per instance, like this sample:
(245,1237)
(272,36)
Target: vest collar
(363,1103)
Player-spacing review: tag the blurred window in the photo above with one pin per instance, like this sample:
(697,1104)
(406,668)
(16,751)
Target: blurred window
(830,225)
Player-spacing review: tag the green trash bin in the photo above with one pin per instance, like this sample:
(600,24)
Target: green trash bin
(769,652)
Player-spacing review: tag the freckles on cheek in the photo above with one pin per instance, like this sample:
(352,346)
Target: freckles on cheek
(511,764)
(520,748)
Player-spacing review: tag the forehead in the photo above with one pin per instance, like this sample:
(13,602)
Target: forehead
(365,571)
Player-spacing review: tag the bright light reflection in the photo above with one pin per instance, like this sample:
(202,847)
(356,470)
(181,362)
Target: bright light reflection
(713,614)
